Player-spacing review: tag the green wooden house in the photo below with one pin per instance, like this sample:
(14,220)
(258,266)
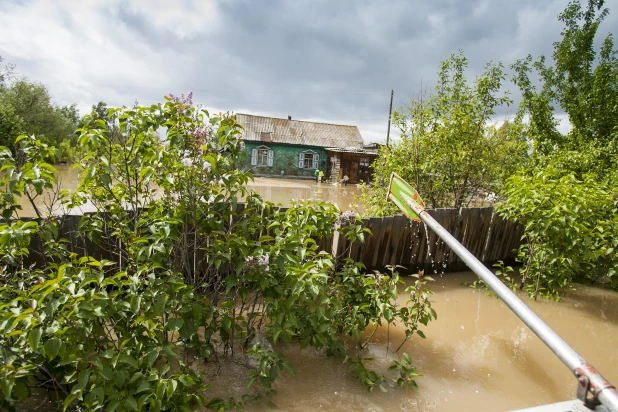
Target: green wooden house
(286,147)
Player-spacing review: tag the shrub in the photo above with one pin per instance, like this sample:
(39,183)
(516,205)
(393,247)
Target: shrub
(187,275)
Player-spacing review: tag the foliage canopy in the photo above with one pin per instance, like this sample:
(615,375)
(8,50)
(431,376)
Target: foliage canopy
(447,151)
(566,197)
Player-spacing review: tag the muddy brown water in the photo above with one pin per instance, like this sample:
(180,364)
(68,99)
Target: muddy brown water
(276,190)
(477,356)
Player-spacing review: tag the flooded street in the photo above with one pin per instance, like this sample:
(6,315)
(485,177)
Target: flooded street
(477,356)
(276,190)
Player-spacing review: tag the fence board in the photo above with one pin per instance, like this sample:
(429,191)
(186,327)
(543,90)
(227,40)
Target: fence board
(384,249)
(399,222)
(454,262)
(418,240)
(378,231)
(447,218)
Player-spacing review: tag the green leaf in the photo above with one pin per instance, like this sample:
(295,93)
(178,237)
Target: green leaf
(51,348)
(135,304)
(171,387)
(98,391)
(175,324)
(128,359)
(152,356)
(34,337)
(144,386)
(186,380)
(7,387)
(130,403)
(112,406)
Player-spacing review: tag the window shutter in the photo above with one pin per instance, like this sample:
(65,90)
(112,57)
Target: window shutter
(301,160)
(253,157)
(270,157)
(316,161)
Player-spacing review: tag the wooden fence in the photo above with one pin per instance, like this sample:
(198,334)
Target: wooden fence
(394,240)
(399,241)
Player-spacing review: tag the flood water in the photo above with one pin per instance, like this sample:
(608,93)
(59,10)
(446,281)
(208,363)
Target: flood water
(276,190)
(477,356)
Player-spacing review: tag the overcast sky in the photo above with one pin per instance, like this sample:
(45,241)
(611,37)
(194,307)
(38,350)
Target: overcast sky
(328,60)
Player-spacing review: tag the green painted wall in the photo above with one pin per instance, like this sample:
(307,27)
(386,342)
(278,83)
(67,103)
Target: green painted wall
(285,157)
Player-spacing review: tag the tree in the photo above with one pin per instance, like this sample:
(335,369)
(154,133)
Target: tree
(40,116)
(6,72)
(566,197)
(100,111)
(11,125)
(447,150)
(582,82)
(26,107)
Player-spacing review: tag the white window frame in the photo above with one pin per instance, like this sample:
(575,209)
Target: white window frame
(316,160)
(257,158)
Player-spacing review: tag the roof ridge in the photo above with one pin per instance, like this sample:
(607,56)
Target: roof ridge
(293,120)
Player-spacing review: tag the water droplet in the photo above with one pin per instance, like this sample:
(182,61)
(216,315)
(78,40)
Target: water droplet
(462,326)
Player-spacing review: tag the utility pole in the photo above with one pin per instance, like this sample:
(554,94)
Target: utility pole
(390,113)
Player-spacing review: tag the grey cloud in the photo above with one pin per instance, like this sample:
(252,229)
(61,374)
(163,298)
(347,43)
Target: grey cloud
(316,59)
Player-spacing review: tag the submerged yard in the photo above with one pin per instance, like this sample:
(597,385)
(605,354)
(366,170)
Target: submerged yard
(477,356)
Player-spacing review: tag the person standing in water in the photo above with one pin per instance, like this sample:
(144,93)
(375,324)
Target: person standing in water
(317,175)
(320,176)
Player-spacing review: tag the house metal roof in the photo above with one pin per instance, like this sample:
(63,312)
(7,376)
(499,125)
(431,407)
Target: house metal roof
(270,129)
(354,150)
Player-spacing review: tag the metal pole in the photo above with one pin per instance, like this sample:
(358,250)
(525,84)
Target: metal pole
(591,381)
(390,113)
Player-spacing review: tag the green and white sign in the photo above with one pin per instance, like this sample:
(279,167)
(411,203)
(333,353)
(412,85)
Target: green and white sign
(402,194)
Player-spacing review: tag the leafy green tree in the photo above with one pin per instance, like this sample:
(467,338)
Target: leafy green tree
(582,82)
(6,72)
(100,111)
(447,150)
(40,116)
(11,125)
(566,197)
(27,107)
